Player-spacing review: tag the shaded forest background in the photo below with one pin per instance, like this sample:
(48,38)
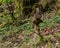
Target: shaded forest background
(16,24)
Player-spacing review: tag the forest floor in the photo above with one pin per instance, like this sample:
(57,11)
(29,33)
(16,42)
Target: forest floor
(23,39)
(23,36)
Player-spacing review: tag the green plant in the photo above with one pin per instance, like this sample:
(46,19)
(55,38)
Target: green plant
(57,19)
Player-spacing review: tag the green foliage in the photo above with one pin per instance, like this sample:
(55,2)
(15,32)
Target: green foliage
(6,1)
(47,23)
(57,19)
